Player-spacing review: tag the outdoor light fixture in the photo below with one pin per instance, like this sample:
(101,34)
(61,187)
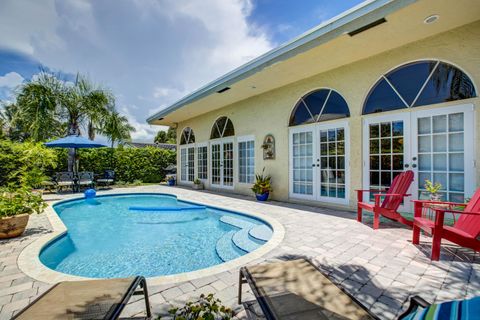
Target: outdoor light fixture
(431,19)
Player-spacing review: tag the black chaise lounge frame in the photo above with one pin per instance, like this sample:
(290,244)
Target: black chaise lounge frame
(276,281)
(61,308)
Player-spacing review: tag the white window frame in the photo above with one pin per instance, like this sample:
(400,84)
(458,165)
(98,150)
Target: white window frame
(221,142)
(179,174)
(248,138)
(197,147)
(315,129)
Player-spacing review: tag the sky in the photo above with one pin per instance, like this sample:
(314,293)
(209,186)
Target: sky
(149,53)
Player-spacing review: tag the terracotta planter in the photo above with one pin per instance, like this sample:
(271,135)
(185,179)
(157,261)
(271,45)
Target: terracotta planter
(11,227)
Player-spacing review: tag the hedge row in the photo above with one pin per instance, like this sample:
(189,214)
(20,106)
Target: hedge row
(24,162)
(130,164)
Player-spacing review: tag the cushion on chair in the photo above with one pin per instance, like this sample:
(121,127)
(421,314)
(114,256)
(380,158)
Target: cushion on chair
(458,309)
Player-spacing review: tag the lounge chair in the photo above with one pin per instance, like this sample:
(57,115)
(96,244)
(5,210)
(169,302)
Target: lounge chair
(107,179)
(457,309)
(296,289)
(91,299)
(393,198)
(85,179)
(65,180)
(464,231)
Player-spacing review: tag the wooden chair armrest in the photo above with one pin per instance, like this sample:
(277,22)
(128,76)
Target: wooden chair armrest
(371,190)
(454,211)
(440,202)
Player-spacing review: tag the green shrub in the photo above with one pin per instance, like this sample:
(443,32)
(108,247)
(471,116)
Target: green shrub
(28,164)
(20,201)
(25,164)
(130,164)
(207,307)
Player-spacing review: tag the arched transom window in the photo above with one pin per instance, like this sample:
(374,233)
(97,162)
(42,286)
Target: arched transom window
(187,136)
(319,105)
(418,84)
(222,128)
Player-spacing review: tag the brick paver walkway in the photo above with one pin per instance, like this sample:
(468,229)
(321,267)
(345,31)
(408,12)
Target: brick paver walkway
(380,268)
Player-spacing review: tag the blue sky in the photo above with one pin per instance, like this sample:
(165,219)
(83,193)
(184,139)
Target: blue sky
(151,52)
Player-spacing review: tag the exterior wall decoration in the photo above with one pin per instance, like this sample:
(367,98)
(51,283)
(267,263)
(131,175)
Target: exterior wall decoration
(268,147)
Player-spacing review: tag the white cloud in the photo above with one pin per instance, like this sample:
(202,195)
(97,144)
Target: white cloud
(11,80)
(149,52)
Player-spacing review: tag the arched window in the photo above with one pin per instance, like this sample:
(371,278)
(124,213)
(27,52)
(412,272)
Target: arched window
(319,105)
(222,128)
(418,84)
(187,136)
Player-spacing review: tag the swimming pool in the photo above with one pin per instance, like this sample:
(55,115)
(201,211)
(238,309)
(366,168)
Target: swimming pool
(149,235)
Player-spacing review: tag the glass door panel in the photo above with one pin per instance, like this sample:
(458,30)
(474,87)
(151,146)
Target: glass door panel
(216,170)
(386,151)
(183,164)
(187,164)
(332,163)
(441,154)
(191,164)
(222,163)
(302,163)
(228,164)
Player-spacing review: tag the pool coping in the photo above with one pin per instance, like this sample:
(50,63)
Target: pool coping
(29,259)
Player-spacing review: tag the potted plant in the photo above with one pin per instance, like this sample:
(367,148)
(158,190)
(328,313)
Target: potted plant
(15,208)
(197,184)
(433,189)
(171,181)
(206,307)
(262,186)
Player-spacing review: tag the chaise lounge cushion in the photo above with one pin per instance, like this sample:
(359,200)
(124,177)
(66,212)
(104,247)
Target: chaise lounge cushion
(296,289)
(458,309)
(92,299)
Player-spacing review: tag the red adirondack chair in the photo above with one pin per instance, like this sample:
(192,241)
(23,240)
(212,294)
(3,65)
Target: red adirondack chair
(464,232)
(390,204)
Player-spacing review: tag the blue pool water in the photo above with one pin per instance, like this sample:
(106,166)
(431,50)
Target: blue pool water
(106,239)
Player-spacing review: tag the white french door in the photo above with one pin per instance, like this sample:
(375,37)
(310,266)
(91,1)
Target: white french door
(319,162)
(437,144)
(222,155)
(187,163)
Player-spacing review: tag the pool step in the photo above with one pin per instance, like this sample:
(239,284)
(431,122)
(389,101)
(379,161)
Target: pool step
(239,223)
(261,232)
(225,248)
(242,240)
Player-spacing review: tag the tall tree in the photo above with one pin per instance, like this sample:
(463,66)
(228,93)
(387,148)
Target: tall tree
(116,128)
(47,105)
(172,135)
(161,137)
(35,112)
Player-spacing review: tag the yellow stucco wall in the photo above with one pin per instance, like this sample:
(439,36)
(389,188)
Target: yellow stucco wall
(270,112)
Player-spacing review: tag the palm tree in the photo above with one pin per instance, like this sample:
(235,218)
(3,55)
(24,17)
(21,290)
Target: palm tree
(48,105)
(35,112)
(85,105)
(116,128)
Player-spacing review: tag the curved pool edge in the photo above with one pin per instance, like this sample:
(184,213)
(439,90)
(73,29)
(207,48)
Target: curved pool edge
(30,264)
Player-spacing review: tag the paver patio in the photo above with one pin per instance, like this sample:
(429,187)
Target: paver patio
(380,268)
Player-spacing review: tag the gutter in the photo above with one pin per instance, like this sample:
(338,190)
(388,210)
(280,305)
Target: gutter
(328,30)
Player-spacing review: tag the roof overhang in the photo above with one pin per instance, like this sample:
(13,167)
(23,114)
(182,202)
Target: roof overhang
(324,48)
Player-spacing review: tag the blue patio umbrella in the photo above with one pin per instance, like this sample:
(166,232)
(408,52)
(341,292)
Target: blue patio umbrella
(74,142)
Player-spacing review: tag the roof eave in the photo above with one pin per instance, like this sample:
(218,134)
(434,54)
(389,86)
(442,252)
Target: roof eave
(381,8)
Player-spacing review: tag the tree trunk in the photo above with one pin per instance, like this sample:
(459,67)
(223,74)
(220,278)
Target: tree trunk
(73,129)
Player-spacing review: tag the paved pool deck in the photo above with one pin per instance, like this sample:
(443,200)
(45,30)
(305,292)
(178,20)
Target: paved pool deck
(380,268)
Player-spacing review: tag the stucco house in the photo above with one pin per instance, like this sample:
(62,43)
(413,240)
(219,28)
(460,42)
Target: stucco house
(387,86)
